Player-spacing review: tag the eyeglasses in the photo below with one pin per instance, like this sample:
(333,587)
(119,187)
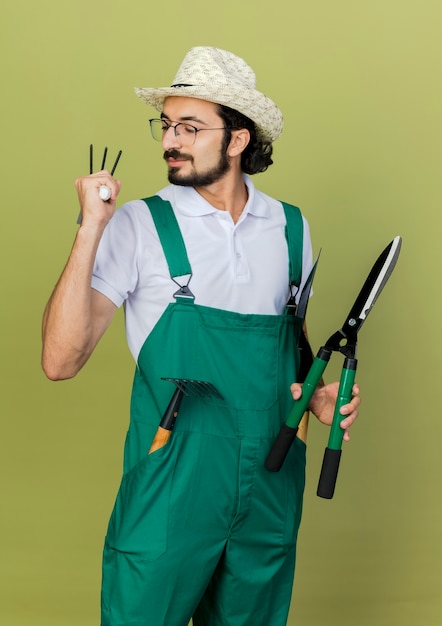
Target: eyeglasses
(186,132)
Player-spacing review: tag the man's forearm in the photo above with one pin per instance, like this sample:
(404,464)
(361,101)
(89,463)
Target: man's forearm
(68,325)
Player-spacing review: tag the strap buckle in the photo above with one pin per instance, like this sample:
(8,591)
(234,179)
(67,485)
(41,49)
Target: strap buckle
(183,291)
(291,302)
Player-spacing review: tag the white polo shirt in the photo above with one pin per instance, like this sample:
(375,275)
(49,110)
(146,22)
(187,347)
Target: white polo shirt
(240,267)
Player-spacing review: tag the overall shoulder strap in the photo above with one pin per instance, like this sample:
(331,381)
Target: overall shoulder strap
(175,250)
(170,236)
(294,232)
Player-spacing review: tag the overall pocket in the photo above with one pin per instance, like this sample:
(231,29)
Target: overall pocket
(139,522)
(242,360)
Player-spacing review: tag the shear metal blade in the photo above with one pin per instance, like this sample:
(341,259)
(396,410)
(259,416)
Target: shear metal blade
(301,309)
(375,282)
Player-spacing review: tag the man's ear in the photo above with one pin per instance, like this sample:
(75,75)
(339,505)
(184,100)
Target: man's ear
(239,142)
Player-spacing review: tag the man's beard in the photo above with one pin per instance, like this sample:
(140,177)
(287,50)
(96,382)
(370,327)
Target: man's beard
(196,179)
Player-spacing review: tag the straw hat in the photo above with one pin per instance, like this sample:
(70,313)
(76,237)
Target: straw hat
(221,77)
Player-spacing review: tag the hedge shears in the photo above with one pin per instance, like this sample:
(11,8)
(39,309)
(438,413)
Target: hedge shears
(344,341)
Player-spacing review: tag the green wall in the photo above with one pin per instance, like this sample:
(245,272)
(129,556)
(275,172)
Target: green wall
(359,83)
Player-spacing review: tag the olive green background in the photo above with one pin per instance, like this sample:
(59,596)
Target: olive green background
(359,83)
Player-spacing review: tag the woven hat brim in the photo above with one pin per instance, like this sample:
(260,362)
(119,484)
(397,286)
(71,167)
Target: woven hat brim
(250,102)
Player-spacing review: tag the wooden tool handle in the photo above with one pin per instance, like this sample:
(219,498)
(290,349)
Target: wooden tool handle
(162,436)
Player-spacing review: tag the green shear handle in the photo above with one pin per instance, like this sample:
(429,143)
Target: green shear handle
(332,454)
(287,434)
(288,431)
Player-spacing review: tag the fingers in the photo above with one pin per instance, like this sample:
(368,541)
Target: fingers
(296,390)
(97,195)
(85,184)
(323,404)
(351,411)
(108,187)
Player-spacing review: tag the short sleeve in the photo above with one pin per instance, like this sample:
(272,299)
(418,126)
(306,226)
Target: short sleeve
(115,272)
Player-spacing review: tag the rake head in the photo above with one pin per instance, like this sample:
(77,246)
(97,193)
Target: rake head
(195,388)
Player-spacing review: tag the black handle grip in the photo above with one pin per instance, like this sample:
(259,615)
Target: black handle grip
(329,473)
(280,448)
(170,414)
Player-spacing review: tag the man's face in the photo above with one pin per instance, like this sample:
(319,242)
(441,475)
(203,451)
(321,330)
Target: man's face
(196,161)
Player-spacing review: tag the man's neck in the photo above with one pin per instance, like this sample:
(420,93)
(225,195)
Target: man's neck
(228,194)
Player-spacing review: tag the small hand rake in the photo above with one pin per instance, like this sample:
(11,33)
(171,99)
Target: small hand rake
(184,387)
(104,191)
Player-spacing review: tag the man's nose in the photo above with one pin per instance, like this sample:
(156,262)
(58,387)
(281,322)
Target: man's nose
(170,139)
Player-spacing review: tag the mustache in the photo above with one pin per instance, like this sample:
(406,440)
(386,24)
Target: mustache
(176,155)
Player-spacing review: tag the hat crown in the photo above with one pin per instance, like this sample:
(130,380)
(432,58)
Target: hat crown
(223,78)
(212,66)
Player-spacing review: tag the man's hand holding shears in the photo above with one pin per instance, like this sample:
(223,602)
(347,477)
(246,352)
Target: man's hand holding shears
(323,401)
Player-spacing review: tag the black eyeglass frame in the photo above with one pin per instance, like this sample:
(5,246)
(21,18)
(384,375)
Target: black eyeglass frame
(166,125)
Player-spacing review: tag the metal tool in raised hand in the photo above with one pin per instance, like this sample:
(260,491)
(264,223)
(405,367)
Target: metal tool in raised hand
(184,387)
(104,191)
(344,341)
(288,433)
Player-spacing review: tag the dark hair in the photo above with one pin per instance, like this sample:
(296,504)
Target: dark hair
(257,156)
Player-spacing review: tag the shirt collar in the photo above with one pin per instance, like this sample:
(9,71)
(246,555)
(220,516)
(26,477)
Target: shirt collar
(189,202)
